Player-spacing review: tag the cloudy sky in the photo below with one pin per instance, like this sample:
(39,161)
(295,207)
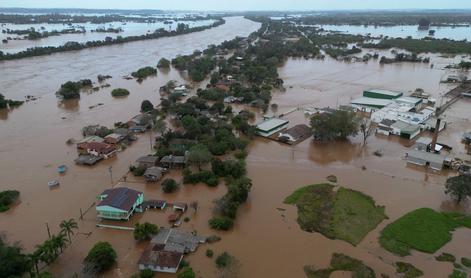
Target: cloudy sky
(241,4)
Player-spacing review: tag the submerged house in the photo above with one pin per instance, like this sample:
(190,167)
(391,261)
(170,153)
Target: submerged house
(405,130)
(172,161)
(295,134)
(271,126)
(153,174)
(119,203)
(422,158)
(165,251)
(99,149)
(114,138)
(147,161)
(159,260)
(82,144)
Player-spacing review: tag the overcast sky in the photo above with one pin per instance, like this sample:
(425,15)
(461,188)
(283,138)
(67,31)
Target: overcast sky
(241,4)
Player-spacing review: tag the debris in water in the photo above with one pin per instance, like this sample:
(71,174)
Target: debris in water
(332,178)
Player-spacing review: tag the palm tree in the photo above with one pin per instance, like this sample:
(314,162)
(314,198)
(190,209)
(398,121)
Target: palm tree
(34,259)
(68,227)
(59,241)
(47,252)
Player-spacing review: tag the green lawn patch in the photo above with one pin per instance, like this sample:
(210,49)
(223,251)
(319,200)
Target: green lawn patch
(341,262)
(423,229)
(343,214)
(407,270)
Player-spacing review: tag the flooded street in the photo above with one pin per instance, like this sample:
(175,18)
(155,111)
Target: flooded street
(266,241)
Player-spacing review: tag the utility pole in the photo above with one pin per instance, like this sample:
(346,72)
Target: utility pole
(48,231)
(110,169)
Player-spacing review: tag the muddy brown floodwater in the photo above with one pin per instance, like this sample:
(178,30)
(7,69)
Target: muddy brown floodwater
(266,241)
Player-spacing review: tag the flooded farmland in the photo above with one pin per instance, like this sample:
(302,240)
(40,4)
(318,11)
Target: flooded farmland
(266,241)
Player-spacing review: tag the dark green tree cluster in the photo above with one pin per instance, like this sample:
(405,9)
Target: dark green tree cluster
(163,63)
(13,263)
(144,72)
(5,103)
(459,188)
(7,198)
(169,185)
(145,231)
(227,206)
(336,125)
(120,92)
(71,90)
(100,258)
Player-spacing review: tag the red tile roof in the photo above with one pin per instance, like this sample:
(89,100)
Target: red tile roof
(155,256)
(102,148)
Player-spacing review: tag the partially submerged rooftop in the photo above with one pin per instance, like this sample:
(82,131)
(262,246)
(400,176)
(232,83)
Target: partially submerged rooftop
(177,241)
(372,102)
(122,198)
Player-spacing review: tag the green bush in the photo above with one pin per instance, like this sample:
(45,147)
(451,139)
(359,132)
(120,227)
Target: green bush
(187,272)
(223,260)
(100,258)
(144,72)
(445,257)
(169,185)
(206,177)
(163,63)
(119,92)
(209,253)
(408,270)
(7,198)
(221,223)
(145,231)
(138,171)
(466,262)
(146,273)
(241,154)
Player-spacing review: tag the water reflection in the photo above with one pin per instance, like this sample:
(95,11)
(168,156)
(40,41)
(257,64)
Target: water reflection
(71,105)
(3,114)
(341,150)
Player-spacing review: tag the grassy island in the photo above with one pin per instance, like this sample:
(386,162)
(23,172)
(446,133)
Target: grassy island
(423,229)
(341,262)
(342,214)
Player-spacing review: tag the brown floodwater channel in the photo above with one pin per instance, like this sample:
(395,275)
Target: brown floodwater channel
(266,240)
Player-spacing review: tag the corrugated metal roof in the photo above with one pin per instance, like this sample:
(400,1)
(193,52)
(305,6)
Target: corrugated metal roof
(366,101)
(385,92)
(271,124)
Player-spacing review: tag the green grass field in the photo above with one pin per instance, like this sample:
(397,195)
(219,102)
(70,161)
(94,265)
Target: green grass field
(343,214)
(423,229)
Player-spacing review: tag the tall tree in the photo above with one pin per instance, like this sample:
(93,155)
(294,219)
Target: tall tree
(199,155)
(59,241)
(338,124)
(68,227)
(366,128)
(459,188)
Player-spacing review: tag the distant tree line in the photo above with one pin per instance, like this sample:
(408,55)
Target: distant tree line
(69,46)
